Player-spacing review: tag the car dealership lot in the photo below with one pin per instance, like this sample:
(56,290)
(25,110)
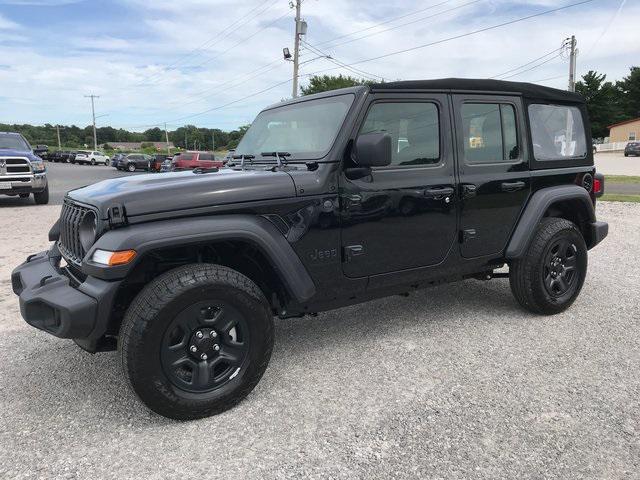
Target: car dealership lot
(452,382)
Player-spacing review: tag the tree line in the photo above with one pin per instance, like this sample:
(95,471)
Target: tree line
(74,137)
(607,102)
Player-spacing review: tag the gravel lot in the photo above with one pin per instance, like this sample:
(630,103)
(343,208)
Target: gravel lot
(453,382)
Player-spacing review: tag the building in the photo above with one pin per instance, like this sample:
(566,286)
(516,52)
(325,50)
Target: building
(133,146)
(625,131)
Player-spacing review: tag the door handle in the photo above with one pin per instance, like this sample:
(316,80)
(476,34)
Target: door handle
(512,186)
(469,190)
(438,193)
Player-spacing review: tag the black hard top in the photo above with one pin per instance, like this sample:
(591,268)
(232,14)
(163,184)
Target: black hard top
(528,90)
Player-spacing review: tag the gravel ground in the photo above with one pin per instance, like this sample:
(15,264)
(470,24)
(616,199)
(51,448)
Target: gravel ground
(452,382)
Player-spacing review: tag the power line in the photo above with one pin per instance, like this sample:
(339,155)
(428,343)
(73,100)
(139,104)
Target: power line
(335,61)
(208,43)
(473,32)
(531,68)
(556,51)
(383,23)
(405,24)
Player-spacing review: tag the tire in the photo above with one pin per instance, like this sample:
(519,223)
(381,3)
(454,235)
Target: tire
(131,167)
(93,162)
(555,259)
(155,341)
(626,154)
(42,198)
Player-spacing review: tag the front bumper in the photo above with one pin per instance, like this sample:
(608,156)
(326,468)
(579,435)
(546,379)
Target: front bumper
(24,183)
(53,301)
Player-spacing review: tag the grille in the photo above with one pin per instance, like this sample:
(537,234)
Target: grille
(69,243)
(17,165)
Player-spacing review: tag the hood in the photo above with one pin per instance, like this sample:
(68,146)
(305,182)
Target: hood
(165,192)
(18,153)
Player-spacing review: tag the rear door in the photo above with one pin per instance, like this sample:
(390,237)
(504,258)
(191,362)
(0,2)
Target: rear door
(493,170)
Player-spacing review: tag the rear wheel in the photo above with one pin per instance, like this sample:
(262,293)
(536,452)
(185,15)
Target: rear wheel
(196,341)
(131,167)
(93,161)
(42,198)
(549,277)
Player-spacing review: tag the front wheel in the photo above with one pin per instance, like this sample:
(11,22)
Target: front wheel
(196,341)
(42,198)
(131,167)
(550,275)
(93,162)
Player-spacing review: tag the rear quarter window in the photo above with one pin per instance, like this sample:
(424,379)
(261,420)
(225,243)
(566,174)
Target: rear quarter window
(557,132)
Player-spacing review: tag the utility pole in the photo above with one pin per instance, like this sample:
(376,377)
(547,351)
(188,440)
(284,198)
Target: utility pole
(166,135)
(213,142)
(93,113)
(186,146)
(573,52)
(58,132)
(296,48)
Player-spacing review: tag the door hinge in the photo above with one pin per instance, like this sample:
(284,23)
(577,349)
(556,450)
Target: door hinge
(467,234)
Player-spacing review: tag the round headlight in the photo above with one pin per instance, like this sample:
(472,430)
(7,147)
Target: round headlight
(88,230)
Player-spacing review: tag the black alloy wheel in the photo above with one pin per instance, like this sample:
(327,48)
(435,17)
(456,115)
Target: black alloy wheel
(205,346)
(560,264)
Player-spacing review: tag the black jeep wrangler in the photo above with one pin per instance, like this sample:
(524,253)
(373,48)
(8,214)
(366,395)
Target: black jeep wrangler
(330,200)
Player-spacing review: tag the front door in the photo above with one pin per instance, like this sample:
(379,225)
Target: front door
(403,215)
(493,170)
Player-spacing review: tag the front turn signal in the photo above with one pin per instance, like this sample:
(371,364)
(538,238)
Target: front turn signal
(111,259)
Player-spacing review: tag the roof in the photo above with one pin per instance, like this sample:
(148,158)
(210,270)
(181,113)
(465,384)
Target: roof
(528,90)
(623,123)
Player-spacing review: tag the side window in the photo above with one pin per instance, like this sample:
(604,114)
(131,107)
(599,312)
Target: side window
(206,156)
(414,130)
(489,132)
(557,132)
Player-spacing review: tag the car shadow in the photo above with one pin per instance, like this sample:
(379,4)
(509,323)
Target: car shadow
(6,201)
(68,379)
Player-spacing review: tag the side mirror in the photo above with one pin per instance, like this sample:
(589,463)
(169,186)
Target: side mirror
(373,150)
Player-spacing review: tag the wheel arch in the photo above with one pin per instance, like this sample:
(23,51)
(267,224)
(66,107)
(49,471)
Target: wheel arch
(247,243)
(570,202)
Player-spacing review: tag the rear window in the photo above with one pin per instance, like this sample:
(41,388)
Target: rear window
(557,132)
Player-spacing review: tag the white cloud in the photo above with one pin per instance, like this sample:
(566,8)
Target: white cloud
(159,77)
(6,24)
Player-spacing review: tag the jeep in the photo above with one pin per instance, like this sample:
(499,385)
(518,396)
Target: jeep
(330,200)
(22,172)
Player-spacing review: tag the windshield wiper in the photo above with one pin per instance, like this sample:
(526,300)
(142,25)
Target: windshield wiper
(280,156)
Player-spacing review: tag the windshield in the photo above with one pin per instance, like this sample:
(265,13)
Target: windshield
(13,142)
(306,130)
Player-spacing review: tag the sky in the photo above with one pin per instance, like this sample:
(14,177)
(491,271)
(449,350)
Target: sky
(217,63)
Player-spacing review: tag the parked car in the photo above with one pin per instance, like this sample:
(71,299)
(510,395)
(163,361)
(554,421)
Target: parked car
(42,151)
(191,160)
(632,148)
(134,161)
(116,158)
(156,162)
(67,156)
(91,157)
(184,272)
(22,172)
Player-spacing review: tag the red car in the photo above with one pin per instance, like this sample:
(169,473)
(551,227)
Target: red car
(191,160)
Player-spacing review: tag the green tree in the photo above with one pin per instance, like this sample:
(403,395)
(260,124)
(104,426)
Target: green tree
(629,90)
(603,102)
(326,83)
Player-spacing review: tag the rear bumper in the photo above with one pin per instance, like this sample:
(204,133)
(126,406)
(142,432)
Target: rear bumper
(24,183)
(599,231)
(49,301)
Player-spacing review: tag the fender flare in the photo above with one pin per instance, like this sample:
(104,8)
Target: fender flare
(534,211)
(146,237)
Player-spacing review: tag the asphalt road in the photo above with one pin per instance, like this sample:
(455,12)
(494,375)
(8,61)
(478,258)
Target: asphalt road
(452,382)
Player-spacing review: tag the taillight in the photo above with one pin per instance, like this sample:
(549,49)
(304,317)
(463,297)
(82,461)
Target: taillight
(597,185)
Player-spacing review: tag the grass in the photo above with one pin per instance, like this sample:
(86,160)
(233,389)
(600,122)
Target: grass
(621,179)
(614,197)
